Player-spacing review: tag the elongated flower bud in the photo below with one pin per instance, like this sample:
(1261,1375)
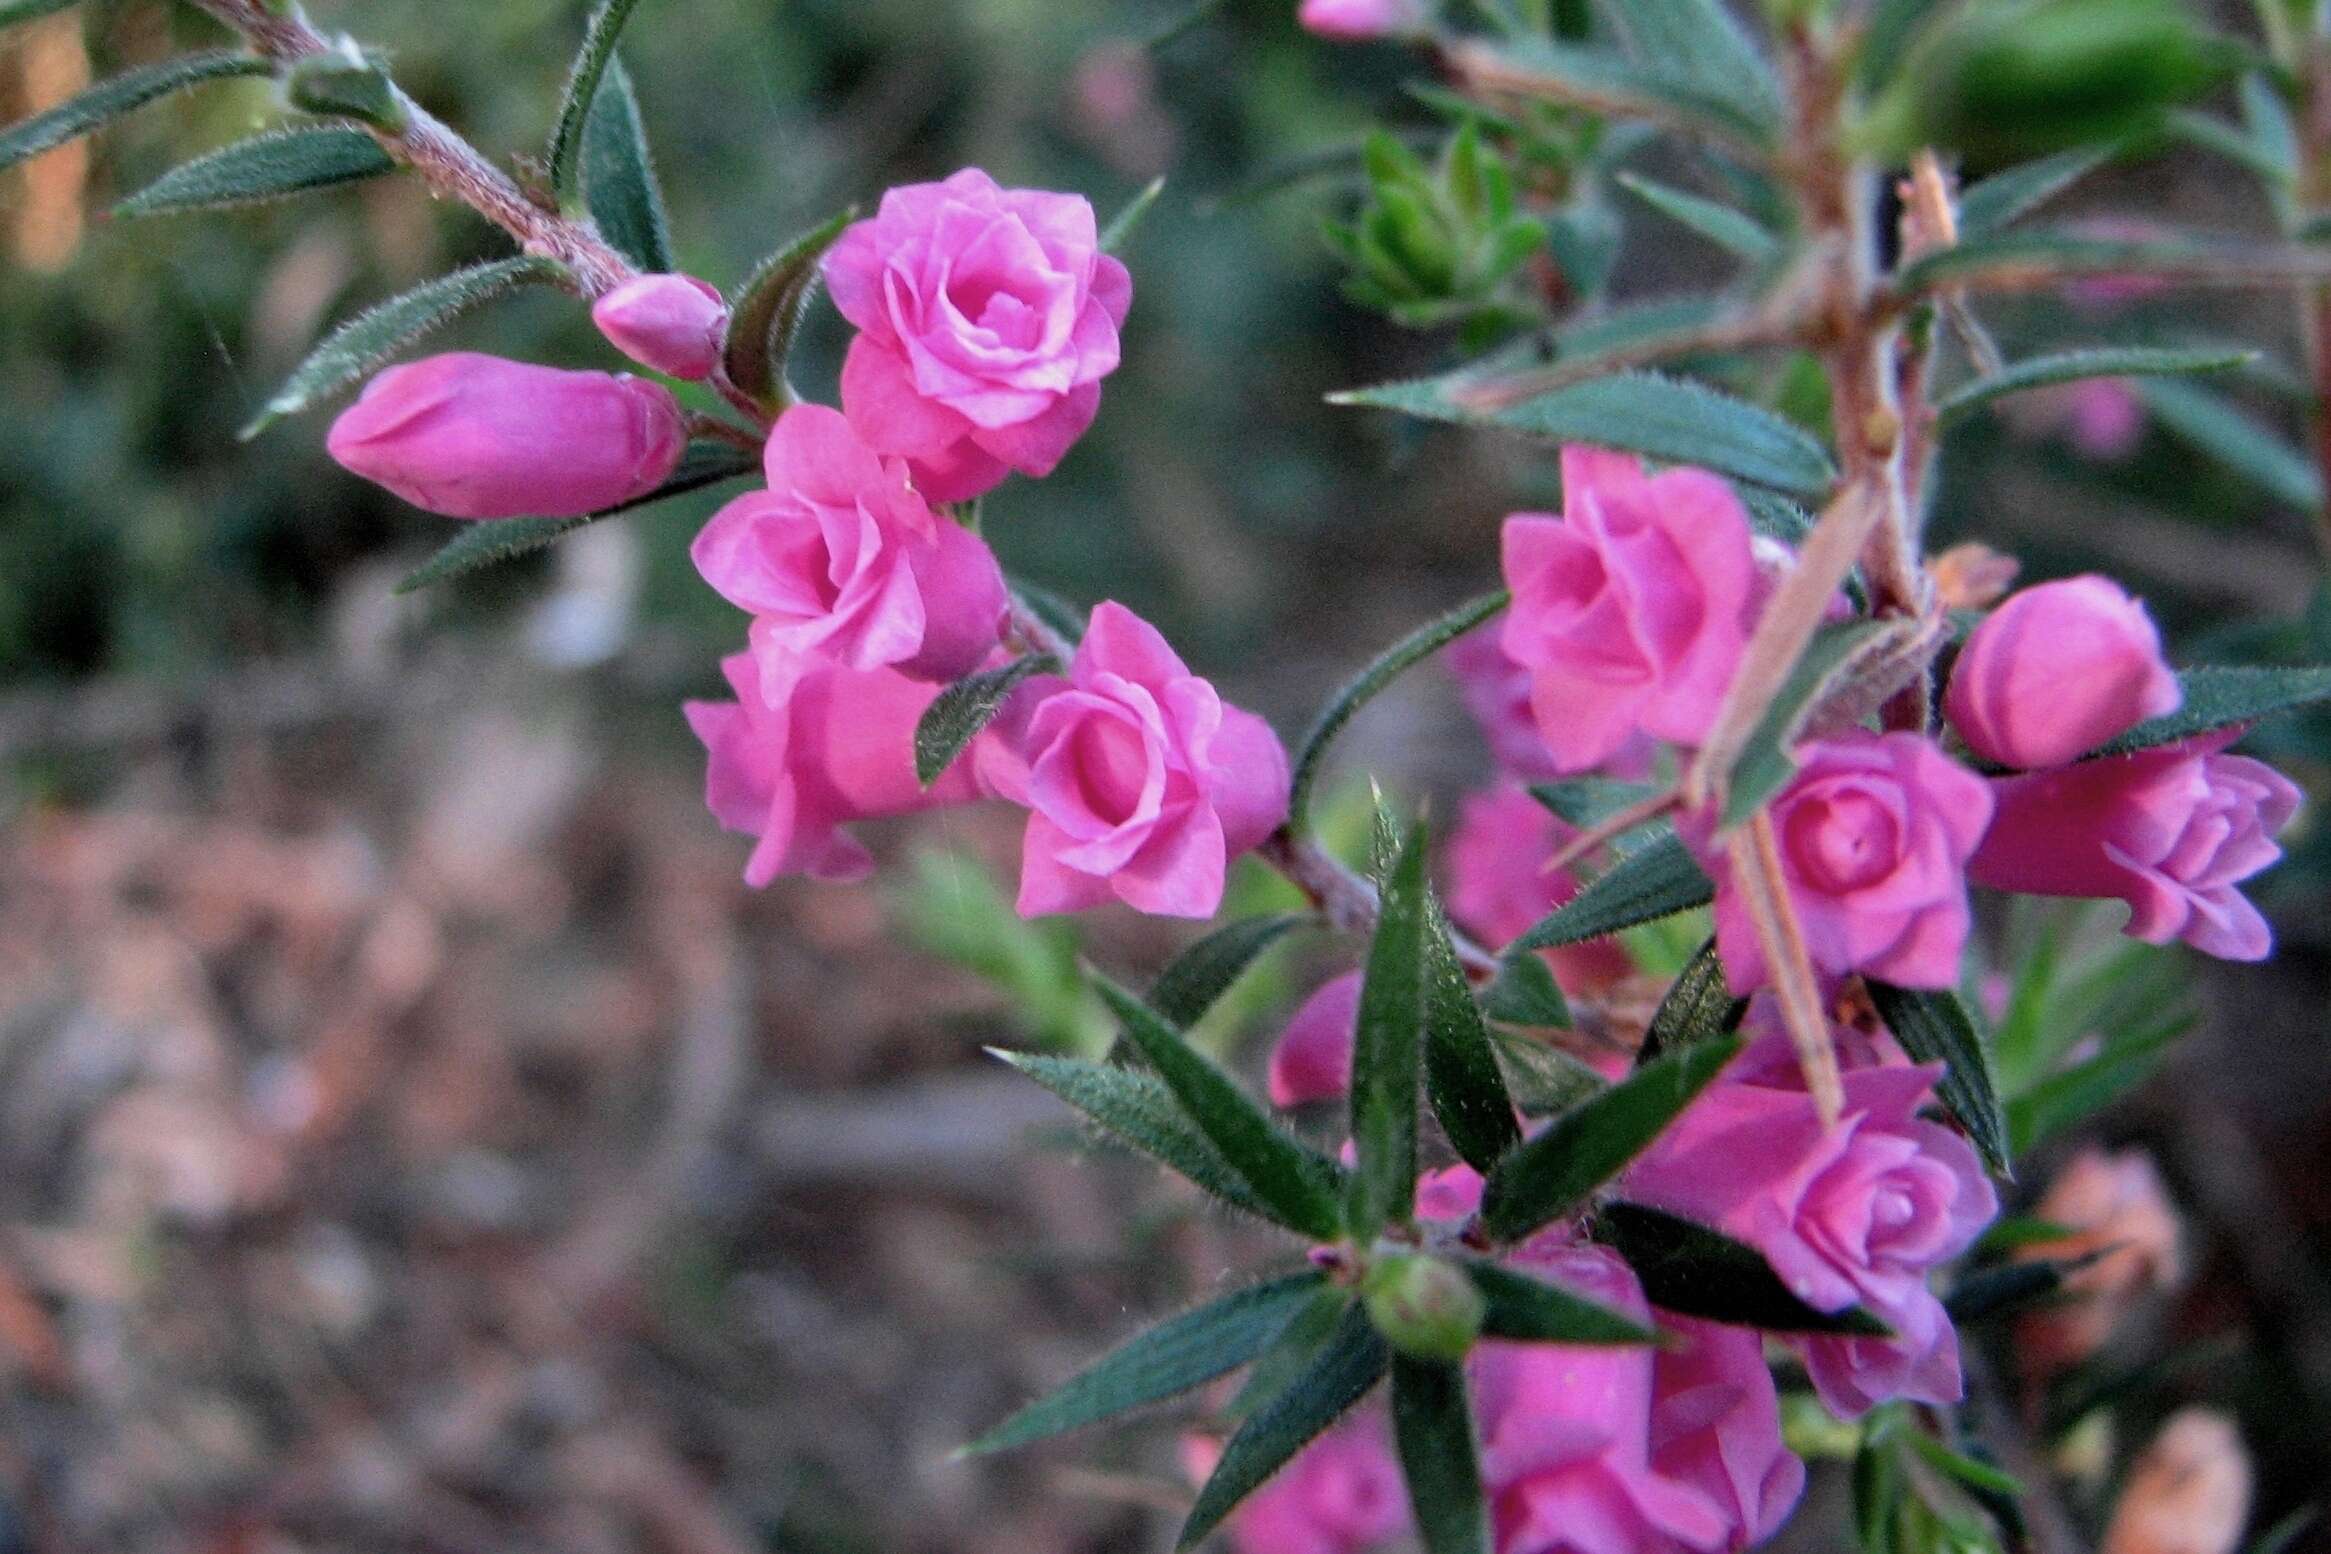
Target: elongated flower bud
(672,323)
(2057,670)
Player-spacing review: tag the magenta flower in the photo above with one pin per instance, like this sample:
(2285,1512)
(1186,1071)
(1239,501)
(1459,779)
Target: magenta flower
(988,318)
(1342,1494)
(1499,885)
(1716,1425)
(474,436)
(2056,671)
(1312,1059)
(840,557)
(672,323)
(1632,609)
(1353,21)
(2173,831)
(1496,691)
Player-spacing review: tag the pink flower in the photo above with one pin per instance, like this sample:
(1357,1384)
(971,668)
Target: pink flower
(840,557)
(1354,21)
(1312,1060)
(1630,611)
(807,748)
(1342,1494)
(989,317)
(2172,831)
(1496,690)
(1854,1214)
(1716,1425)
(1874,834)
(1499,885)
(474,436)
(673,323)
(1143,782)
(2056,671)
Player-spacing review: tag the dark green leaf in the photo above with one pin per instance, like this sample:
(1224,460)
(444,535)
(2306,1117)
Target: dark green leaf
(1298,1344)
(1198,977)
(1733,231)
(1525,993)
(1410,650)
(1697,1272)
(1988,206)
(1168,1359)
(1664,90)
(347,86)
(1698,1007)
(2005,1287)
(2233,437)
(1140,1110)
(1545,1079)
(1703,38)
(1586,802)
(1934,1027)
(501,539)
(265,167)
(2071,366)
(1656,880)
(353,350)
(1665,418)
(1887,36)
(2129,1059)
(1065,618)
(1979,1476)
(2026,259)
(768,308)
(619,177)
(955,717)
(1555,1172)
(2279,1538)
(1768,760)
(582,90)
(1387,1047)
(109,100)
(12,12)
(1354,1360)
(1433,1426)
(1299,1184)
(1120,228)
(1530,1310)
(1462,1078)
(2218,698)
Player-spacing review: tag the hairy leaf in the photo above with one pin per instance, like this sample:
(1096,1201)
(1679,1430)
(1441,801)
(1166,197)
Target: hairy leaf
(2233,437)
(1531,1310)
(619,176)
(125,93)
(2218,698)
(1656,880)
(1586,802)
(957,714)
(2015,191)
(1736,232)
(768,308)
(1934,1027)
(1195,980)
(1525,993)
(1768,760)
(2071,366)
(1697,1272)
(1462,1079)
(1140,1110)
(1433,1427)
(582,90)
(1387,1046)
(265,167)
(1704,39)
(1698,1007)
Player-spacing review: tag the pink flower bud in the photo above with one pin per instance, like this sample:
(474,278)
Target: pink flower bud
(475,436)
(1313,1058)
(2056,671)
(672,323)
(1352,21)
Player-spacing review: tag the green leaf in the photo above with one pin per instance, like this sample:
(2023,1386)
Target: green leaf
(1934,1027)
(1586,802)
(1545,1079)
(1887,36)
(1606,82)
(582,90)
(1433,1426)
(1140,1110)
(1993,203)
(2212,134)
(1195,980)
(2070,366)
(1656,880)
(2279,1538)
(1697,1272)
(347,85)
(1529,1310)
(1664,418)
(109,100)
(1733,231)
(768,308)
(1555,1172)
(2079,1092)
(1525,993)
(1170,1358)
(1119,231)
(1354,1360)
(2235,439)
(1704,40)
(353,350)
(1387,1048)
(14,12)
(500,539)
(1462,1079)
(1768,761)
(265,167)
(619,177)
(1388,666)
(2218,698)
(2019,260)
(2005,1287)
(1698,1007)
(1299,1184)
(955,717)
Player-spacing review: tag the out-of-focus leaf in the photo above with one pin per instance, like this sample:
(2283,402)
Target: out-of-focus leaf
(1462,1078)
(14,11)
(957,714)
(265,167)
(1533,1311)
(2235,439)
(582,90)
(1139,1109)
(2023,260)
(1702,38)
(619,176)
(1119,231)
(1698,1007)
(1663,90)
(1387,1049)
(2129,1058)
(2071,366)
(1736,232)
(1698,1272)
(767,310)
(125,93)
(2005,1287)
(1544,1079)
(1195,980)
(2218,698)
(1525,993)
(1656,880)
(1933,1026)
(1768,760)
(1433,1427)
(1586,802)
(1991,204)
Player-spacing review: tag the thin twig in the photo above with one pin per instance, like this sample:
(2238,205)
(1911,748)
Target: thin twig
(1764,890)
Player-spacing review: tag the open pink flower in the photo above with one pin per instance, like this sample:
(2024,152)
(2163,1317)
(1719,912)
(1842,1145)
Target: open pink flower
(2173,831)
(1632,609)
(1874,834)
(1342,1494)
(1716,1425)
(841,557)
(2056,671)
(1143,782)
(1499,885)
(988,318)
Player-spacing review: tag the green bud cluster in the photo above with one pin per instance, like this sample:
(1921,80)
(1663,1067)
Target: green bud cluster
(1434,243)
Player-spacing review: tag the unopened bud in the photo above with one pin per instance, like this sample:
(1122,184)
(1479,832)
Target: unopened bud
(2189,1493)
(1423,1306)
(672,323)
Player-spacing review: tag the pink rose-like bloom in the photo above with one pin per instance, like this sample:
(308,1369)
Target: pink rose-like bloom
(1631,610)
(1353,21)
(1143,782)
(1716,1425)
(2173,831)
(473,436)
(1851,1214)
(1312,1060)
(673,323)
(1499,886)
(1496,691)
(1342,1494)
(2056,671)
(840,557)
(988,318)
(804,750)
(1874,834)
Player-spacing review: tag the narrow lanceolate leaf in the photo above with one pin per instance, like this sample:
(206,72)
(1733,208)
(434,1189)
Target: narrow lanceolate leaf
(768,308)
(1554,1173)
(1586,802)
(501,539)
(1409,651)
(2021,261)
(1299,1185)
(265,167)
(619,177)
(1697,1272)
(1119,231)
(1707,42)
(1664,418)
(1768,760)
(2007,1287)
(2071,366)
(1353,1360)
(955,717)
(109,100)
(1698,1007)
(1529,1310)
(1140,1110)
(1462,1079)
(1545,1080)
(1607,82)
(351,352)
(1525,993)
(1656,880)
(582,89)
(1387,1045)
(1934,1027)
(1995,201)
(2221,697)
(1167,1360)
(14,11)
(1197,978)
(1733,231)
(2233,437)
(1433,1426)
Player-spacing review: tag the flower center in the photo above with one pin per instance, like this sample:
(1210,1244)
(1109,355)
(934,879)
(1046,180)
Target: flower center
(1111,762)
(1842,842)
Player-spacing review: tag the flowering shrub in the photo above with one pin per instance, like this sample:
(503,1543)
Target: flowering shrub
(1725,676)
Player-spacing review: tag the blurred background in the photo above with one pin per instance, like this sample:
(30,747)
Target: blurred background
(413,1136)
